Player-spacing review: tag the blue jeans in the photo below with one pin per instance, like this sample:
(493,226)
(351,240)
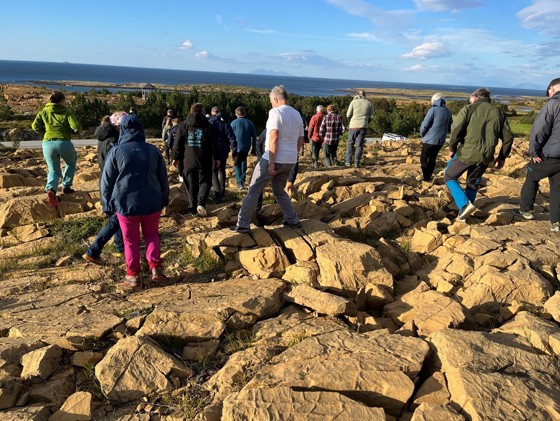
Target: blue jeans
(53,150)
(110,229)
(358,137)
(454,169)
(240,166)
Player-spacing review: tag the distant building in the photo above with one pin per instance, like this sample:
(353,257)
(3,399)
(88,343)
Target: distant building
(146,89)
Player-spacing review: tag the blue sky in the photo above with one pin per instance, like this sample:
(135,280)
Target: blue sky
(508,43)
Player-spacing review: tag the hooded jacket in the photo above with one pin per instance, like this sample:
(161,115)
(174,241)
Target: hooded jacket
(134,180)
(436,124)
(544,139)
(107,136)
(55,122)
(223,136)
(359,113)
(194,143)
(478,127)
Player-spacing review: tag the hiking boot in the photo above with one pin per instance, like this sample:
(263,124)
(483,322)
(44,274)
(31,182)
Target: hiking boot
(201,210)
(555,227)
(51,197)
(92,259)
(287,224)
(157,275)
(68,190)
(241,230)
(466,211)
(523,214)
(131,282)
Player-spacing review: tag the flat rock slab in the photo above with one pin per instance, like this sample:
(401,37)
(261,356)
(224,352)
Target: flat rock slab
(322,302)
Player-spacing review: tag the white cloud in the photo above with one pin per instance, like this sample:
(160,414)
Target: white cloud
(428,50)
(542,16)
(187,45)
(446,5)
(261,31)
(415,68)
(363,35)
(202,55)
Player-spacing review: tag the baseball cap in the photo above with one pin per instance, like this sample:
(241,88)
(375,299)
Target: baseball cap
(553,82)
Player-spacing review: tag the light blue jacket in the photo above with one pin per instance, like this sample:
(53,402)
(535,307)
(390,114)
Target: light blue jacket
(436,124)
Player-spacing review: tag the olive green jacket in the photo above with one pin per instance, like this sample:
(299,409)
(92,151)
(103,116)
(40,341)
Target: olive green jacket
(477,129)
(55,121)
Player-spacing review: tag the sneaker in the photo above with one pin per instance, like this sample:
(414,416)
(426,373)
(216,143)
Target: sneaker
(68,190)
(92,259)
(180,179)
(287,224)
(157,275)
(131,281)
(347,164)
(118,254)
(237,228)
(51,197)
(466,212)
(555,227)
(201,210)
(523,214)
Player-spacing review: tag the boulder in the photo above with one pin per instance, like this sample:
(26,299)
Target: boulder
(428,412)
(425,241)
(39,412)
(41,363)
(264,262)
(322,302)
(76,408)
(433,391)
(9,392)
(552,306)
(302,273)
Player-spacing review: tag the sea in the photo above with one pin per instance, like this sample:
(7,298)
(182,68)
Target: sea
(30,72)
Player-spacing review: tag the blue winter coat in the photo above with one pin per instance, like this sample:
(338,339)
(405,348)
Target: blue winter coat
(436,124)
(134,180)
(223,136)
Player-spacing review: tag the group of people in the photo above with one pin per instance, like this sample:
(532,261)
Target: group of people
(134,185)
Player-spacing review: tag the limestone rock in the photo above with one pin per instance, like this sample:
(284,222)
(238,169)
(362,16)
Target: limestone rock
(302,273)
(86,358)
(293,242)
(265,262)
(433,391)
(9,392)
(41,363)
(27,233)
(377,296)
(76,408)
(429,412)
(320,301)
(425,241)
(552,306)
(199,351)
(27,413)
(55,389)
(11,351)
(135,367)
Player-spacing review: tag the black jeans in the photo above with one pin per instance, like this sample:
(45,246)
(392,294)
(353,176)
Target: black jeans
(197,182)
(549,167)
(219,179)
(428,158)
(315,149)
(329,152)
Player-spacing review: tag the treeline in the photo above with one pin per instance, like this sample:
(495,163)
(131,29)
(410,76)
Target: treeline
(388,116)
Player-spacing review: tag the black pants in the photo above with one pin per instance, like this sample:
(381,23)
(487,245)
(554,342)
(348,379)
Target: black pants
(219,179)
(428,158)
(315,149)
(197,182)
(549,167)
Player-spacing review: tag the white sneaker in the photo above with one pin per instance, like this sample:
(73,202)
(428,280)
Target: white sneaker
(466,212)
(180,179)
(201,210)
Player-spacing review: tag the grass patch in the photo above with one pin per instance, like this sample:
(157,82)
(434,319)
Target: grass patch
(72,235)
(520,129)
(206,262)
(238,341)
(131,313)
(405,244)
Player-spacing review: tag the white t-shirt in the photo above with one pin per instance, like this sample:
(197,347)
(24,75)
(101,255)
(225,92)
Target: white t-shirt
(289,124)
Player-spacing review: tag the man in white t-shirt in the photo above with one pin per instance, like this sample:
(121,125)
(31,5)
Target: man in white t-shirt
(284,138)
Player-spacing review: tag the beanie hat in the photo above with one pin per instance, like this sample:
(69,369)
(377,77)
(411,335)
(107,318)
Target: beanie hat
(552,83)
(117,116)
(437,96)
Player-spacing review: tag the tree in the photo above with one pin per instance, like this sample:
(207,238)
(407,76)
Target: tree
(88,111)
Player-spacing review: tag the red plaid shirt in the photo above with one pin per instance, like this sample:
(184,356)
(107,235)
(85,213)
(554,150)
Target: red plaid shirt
(331,128)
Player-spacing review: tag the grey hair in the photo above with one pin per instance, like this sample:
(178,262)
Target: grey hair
(320,109)
(215,110)
(361,92)
(279,92)
(481,93)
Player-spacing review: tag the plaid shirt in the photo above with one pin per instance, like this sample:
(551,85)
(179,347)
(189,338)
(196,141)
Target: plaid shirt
(331,128)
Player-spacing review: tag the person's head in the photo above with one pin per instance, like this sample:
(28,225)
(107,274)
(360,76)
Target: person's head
(215,110)
(361,92)
(320,109)
(480,93)
(437,97)
(278,96)
(132,110)
(57,97)
(331,108)
(553,87)
(117,117)
(175,121)
(170,112)
(106,119)
(240,112)
(197,108)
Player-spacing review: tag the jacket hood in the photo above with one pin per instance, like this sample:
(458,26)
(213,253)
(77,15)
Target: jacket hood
(439,103)
(131,130)
(359,97)
(196,120)
(57,108)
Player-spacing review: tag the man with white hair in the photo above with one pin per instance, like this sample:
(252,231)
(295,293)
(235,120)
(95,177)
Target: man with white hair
(434,129)
(544,148)
(284,138)
(315,134)
(359,114)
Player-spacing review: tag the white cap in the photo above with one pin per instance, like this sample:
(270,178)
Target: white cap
(437,96)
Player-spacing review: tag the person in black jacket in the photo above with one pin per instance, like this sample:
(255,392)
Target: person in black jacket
(107,136)
(194,146)
(225,141)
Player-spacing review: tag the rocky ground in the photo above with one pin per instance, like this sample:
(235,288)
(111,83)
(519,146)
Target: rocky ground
(380,307)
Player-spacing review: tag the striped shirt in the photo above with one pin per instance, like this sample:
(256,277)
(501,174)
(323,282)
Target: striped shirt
(331,128)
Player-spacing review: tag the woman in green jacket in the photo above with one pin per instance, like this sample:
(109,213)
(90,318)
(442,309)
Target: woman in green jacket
(55,123)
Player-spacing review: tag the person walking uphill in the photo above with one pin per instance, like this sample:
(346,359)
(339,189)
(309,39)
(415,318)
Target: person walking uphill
(284,139)
(331,130)
(55,122)
(315,134)
(134,186)
(544,148)
(434,129)
(474,138)
(360,113)
(194,146)
(246,136)
(225,141)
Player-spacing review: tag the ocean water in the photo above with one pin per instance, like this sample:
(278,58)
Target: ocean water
(26,72)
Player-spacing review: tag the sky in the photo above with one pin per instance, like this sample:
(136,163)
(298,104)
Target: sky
(502,43)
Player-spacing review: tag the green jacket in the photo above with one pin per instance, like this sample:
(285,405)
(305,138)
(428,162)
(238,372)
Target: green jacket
(55,121)
(478,127)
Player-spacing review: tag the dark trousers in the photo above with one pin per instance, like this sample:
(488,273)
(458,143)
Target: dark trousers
(110,229)
(197,182)
(329,154)
(549,167)
(455,168)
(315,149)
(240,166)
(357,137)
(428,158)
(219,179)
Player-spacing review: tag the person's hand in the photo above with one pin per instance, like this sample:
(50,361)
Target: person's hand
(537,160)
(451,154)
(175,163)
(290,188)
(272,169)
(499,163)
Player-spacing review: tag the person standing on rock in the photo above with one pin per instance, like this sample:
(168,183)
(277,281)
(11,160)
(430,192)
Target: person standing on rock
(245,136)
(474,138)
(332,128)
(224,138)
(359,114)
(55,122)
(284,139)
(434,129)
(315,135)
(544,148)
(134,186)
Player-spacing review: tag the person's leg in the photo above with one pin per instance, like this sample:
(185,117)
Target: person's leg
(554,180)
(130,226)
(432,159)
(455,168)
(52,158)
(243,166)
(326,155)
(204,179)
(282,198)
(258,182)
(535,173)
(68,153)
(350,146)
(334,152)
(360,142)
(110,229)
(150,232)
(191,182)
(424,161)
(314,153)
(474,177)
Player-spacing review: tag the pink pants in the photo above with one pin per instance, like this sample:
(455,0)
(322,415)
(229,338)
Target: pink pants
(130,226)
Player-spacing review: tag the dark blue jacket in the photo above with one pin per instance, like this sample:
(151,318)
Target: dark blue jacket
(134,180)
(244,134)
(544,140)
(224,138)
(436,124)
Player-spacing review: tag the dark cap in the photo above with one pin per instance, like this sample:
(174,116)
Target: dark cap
(553,82)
